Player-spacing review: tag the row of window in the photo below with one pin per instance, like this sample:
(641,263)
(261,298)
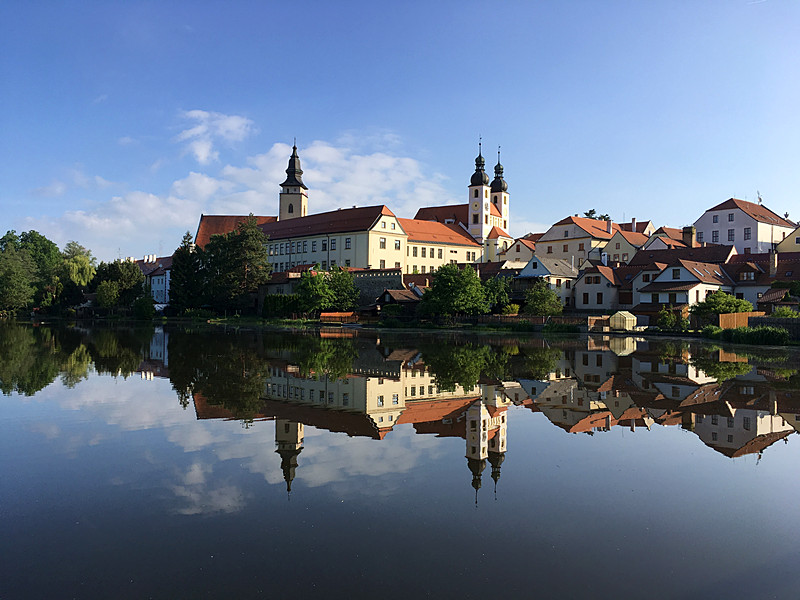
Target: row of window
(395,400)
(581,248)
(747,235)
(715,218)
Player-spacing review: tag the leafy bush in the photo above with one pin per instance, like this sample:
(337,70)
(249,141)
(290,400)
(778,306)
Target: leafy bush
(198,314)
(776,336)
(391,310)
(784,312)
(511,309)
(279,305)
(712,332)
(143,308)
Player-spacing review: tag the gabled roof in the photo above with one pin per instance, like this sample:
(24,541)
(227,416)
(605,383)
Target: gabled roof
(458,213)
(218,224)
(494,210)
(595,228)
(401,296)
(157,267)
(336,221)
(634,239)
(709,254)
(641,226)
(705,272)
(496,232)
(758,211)
(556,266)
(419,230)
(533,237)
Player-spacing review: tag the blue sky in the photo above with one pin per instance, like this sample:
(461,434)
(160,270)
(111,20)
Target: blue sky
(123,121)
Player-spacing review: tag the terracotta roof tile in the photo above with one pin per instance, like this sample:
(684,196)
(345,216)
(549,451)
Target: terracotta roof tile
(419,230)
(758,211)
(218,224)
(336,221)
(458,213)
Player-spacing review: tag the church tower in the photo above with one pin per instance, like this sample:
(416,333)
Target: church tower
(294,193)
(479,221)
(499,193)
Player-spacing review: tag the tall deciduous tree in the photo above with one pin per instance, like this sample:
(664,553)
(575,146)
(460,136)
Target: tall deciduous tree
(47,257)
(313,292)
(187,280)
(16,278)
(540,300)
(79,264)
(455,291)
(498,292)
(343,290)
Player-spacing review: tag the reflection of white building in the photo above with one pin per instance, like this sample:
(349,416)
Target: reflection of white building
(744,431)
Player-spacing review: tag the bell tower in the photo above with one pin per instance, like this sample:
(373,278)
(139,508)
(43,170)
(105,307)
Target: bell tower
(479,222)
(498,192)
(294,193)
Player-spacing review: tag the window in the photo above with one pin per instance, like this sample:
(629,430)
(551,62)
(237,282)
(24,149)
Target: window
(715,219)
(396,265)
(599,297)
(549,249)
(305,246)
(383,224)
(494,198)
(730,422)
(347,243)
(746,423)
(431,254)
(730,217)
(393,224)
(324,245)
(715,419)
(566,233)
(624,256)
(345,399)
(586,298)
(381,243)
(422,269)
(439,254)
(475,194)
(424,251)
(676,273)
(414,251)
(395,399)
(731,234)
(291,208)
(397,244)
(673,298)
(383,264)
(713,436)
(654,298)
(347,262)
(715,237)
(324,265)
(617,245)
(333,244)
(566,247)
(747,233)
(568,284)
(616,257)
(580,247)
(314,246)
(598,360)
(646,277)
(699,236)
(475,218)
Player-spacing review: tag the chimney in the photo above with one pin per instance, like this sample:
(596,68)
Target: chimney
(773,262)
(633,224)
(689,236)
(609,226)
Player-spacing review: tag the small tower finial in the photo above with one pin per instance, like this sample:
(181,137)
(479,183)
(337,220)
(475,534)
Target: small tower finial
(480,145)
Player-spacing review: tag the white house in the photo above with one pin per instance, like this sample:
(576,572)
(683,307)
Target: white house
(750,227)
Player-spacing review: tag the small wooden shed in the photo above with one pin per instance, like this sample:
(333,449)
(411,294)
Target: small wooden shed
(622,321)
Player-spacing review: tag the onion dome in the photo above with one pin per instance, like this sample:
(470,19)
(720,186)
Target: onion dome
(479,177)
(294,174)
(498,183)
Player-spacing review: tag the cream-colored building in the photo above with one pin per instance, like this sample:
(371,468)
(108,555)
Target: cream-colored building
(576,239)
(791,243)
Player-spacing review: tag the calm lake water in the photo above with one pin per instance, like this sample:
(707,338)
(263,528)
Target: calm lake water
(343,464)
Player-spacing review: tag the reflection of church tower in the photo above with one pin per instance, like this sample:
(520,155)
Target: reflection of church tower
(289,442)
(476,466)
(496,460)
(294,193)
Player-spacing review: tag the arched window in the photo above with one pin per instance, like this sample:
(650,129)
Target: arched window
(475,195)
(495,199)
(291,208)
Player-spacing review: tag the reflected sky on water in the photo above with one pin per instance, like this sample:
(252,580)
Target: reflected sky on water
(153,463)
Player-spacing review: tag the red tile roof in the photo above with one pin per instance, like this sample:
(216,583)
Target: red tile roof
(758,211)
(459,213)
(709,254)
(218,224)
(337,221)
(595,228)
(419,230)
(496,232)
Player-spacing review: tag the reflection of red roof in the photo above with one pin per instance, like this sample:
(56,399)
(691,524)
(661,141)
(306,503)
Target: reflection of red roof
(423,411)
(419,230)
(352,423)
(204,410)
(757,444)
(219,224)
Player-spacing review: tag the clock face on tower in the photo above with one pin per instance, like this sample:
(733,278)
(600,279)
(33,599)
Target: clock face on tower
(475,206)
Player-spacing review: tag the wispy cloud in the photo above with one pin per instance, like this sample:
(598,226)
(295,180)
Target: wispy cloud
(209,128)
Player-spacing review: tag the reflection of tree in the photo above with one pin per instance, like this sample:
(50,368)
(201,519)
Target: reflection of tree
(458,365)
(118,351)
(32,357)
(540,362)
(709,363)
(331,357)
(228,370)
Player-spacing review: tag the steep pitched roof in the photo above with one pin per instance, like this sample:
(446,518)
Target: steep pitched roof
(634,238)
(533,237)
(419,230)
(336,221)
(595,228)
(709,254)
(218,224)
(758,211)
(496,232)
(641,226)
(458,213)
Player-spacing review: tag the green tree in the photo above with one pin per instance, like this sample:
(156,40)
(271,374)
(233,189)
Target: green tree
(108,293)
(79,264)
(127,276)
(455,291)
(540,300)
(343,291)
(497,291)
(719,303)
(17,277)
(592,214)
(313,292)
(187,279)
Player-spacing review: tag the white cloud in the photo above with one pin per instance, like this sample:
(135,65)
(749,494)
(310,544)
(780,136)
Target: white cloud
(126,141)
(56,188)
(209,128)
